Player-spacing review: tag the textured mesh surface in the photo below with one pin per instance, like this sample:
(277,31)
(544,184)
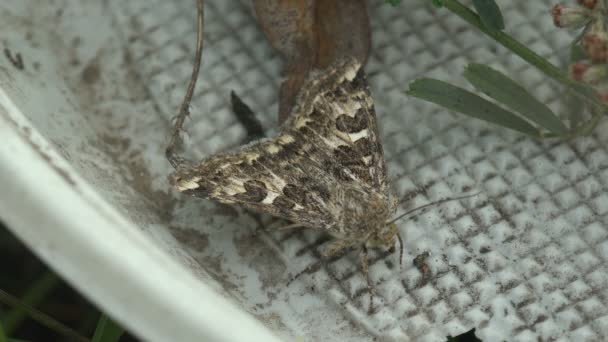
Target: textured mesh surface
(524,260)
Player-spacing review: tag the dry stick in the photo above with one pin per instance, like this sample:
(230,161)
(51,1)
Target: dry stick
(184,110)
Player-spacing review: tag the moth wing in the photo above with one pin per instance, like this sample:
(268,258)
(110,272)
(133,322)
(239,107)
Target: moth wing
(330,141)
(267,176)
(335,114)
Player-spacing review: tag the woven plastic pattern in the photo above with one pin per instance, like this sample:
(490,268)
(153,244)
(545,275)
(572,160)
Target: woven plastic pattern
(524,260)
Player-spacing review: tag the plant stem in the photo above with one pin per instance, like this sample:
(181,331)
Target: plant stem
(524,52)
(107,330)
(507,41)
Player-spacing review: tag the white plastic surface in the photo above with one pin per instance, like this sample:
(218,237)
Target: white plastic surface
(84,181)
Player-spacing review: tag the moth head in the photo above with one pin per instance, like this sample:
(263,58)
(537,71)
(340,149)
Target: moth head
(384,236)
(386,232)
(387,235)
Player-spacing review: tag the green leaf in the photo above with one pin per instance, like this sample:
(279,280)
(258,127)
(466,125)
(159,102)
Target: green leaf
(506,91)
(577,53)
(490,15)
(437,3)
(465,102)
(107,330)
(393,2)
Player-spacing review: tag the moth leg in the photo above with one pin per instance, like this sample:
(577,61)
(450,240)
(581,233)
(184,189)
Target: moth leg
(247,118)
(335,248)
(287,227)
(400,240)
(261,227)
(290,227)
(336,253)
(370,284)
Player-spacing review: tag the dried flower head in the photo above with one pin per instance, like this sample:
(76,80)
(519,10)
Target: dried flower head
(592,68)
(586,71)
(564,16)
(590,4)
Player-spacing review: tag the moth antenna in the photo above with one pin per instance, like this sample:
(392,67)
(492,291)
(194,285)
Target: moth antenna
(441,201)
(184,109)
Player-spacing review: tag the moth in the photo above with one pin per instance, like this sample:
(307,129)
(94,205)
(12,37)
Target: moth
(325,170)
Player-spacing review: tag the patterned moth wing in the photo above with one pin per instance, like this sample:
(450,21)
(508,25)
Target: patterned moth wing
(325,169)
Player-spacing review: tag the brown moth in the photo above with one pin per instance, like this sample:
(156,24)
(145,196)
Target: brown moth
(325,170)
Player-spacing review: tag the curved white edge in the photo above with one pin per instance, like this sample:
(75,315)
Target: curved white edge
(75,231)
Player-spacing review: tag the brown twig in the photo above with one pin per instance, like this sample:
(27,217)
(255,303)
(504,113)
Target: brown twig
(176,140)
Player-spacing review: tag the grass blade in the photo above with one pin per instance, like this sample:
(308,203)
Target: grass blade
(3,337)
(490,14)
(506,91)
(465,102)
(107,330)
(41,318)
(33,295)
